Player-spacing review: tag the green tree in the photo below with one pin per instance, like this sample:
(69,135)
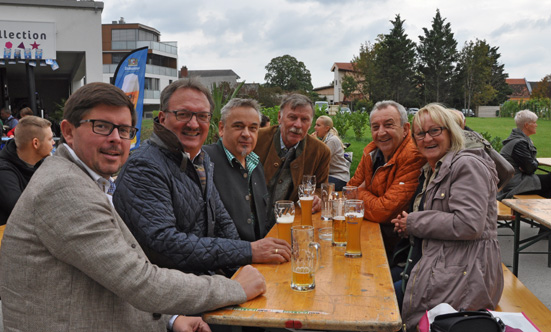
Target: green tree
(395,62)
(543,89)
(475,70)
(289,74)
(437,53)
(349,85)
(498,80)
(367,73)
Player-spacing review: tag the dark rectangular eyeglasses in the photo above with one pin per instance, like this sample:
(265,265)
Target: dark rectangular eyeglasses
(433,132)
(185,115)
(105,128)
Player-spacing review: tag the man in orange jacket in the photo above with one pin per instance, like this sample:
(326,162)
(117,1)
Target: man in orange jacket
(388,173)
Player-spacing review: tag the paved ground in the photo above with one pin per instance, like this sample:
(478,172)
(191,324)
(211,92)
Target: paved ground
(533,270)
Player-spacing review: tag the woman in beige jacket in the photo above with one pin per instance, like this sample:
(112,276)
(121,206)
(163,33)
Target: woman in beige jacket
(454,216)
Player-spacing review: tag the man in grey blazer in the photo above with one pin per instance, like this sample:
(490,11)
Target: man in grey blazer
(68,261)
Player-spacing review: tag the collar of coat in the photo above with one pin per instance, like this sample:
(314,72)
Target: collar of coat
(168,140)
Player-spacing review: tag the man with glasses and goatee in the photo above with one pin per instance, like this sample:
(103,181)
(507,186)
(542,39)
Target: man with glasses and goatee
(166,194)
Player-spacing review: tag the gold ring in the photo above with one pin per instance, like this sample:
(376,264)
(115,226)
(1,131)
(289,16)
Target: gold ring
(276,251)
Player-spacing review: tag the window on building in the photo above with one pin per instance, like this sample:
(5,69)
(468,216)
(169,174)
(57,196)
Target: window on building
(151,83)
(124,34)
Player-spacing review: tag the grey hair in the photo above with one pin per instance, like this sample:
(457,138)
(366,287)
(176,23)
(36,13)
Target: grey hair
(295,100)
(523,117)
(184,83)
(386,103)
(239,102)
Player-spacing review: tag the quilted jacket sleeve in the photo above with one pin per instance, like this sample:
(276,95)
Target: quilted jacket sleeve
(144,199)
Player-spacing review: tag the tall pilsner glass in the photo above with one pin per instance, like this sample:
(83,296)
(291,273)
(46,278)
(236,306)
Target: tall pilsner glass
(306,196)
(354,214)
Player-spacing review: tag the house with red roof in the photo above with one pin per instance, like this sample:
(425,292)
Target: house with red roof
(522,89)
(340,70)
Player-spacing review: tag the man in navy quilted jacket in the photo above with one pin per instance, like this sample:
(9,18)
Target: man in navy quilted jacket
(166,194)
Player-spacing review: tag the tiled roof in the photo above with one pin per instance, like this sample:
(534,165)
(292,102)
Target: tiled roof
(343,66)
(520,88)
(515,81)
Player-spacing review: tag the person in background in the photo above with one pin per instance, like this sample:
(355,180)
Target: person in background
(69,263)
(20,158)
(288,152)
(520,152)
(9,121)
(186,226)
(456,257)
(339,168)
(388,172)
(239,175)
(23,113)
(264,121)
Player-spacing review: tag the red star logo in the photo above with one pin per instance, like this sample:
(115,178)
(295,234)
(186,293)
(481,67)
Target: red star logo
(35,45)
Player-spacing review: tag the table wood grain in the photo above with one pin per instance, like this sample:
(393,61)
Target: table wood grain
(354,294)
(538,210)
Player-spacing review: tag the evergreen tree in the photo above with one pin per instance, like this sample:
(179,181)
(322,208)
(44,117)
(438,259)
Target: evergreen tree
(498,79)
(437,54)
(395,63)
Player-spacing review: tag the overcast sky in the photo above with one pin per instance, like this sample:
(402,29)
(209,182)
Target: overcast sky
(244,35)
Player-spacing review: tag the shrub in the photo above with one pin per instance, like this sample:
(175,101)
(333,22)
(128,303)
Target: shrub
(359,123)
(340,122)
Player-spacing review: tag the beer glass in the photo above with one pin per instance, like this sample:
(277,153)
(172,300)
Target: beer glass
(327,195)
(327,190)
(285,215)
(350,192)
(305,258)
(339,223)
(306,196)
(354,215)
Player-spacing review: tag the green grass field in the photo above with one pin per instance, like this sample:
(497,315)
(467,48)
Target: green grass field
(500,127)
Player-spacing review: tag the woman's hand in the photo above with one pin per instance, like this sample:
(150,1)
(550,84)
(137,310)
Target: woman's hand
(400,224)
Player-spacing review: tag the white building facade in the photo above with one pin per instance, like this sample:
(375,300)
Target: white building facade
(76,50)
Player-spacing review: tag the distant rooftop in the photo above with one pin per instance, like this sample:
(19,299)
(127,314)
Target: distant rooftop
(212,73)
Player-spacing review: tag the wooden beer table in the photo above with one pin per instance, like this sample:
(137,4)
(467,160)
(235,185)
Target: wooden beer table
(352,294)
(536,212)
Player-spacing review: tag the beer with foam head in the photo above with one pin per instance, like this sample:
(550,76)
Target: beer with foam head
(284,224)
(339,231)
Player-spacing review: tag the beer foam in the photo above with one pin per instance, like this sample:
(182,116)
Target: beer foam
(307,198)
(354,215)
(338,218)
(285,219)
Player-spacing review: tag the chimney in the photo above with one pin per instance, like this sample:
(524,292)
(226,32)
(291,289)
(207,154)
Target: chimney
(183,72)
(121,21)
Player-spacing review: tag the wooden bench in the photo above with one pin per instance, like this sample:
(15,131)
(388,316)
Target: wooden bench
(517,298)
